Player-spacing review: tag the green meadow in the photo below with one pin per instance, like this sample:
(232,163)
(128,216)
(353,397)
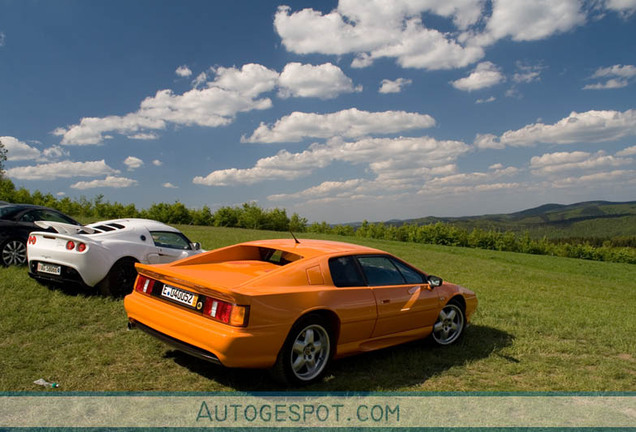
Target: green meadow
(543,324)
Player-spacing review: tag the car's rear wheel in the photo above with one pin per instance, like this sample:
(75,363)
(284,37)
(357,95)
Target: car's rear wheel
(120,279)
(306,352)
(449,325)
(14,252)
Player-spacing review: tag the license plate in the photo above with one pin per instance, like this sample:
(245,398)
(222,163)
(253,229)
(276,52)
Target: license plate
(50,268)
(179,295)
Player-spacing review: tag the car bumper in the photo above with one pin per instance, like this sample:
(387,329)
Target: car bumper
(202,337)
(67,275)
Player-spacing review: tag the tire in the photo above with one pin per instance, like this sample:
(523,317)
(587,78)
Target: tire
(306,353)
(14,252)
(450,324)
(120,279)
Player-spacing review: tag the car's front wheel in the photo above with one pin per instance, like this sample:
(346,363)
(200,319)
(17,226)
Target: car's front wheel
(120,279)
(14,252)
(449,325)
(306,353)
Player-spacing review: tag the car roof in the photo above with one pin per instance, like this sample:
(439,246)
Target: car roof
(11,209)
(312,248)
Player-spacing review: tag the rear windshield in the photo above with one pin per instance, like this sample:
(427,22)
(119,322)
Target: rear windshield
(278,257)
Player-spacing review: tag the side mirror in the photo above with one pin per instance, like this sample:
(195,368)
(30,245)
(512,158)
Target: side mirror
(435,281)
(195,246)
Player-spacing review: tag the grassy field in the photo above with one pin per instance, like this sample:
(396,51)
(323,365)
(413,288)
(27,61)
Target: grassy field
(543,324)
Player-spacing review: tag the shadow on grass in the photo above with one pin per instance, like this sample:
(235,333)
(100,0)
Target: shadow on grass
(384,370)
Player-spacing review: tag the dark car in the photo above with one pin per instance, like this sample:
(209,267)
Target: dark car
(16,222)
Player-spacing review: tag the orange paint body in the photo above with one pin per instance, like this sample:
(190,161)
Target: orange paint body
(275,283)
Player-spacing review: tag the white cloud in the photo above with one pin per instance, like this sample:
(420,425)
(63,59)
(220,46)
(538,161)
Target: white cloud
(18,150)
(183,71)
(588,127)
(487,100)
(157,162)
(64,169)
(375,29)
(349,123)
(558,163)
(617,76)
(527,73)
(3,39)
(232,91)
(629,151)
(325,81)
(398,160)
(108,182)
(399,29)
(133,163)
(396,86)
(596,180)
(169,185)
(624,7)
(530,20)
(486,74)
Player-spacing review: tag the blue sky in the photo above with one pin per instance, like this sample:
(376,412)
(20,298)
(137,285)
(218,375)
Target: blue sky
(338,111)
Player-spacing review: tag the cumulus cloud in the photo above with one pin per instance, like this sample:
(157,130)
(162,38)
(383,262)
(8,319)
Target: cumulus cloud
(133,163)
(169,185)
(157,162)
(529,20)
(19,150)
(396,86)
(64,169)
(373,29)
(183,71)
(527,73)
(486,74)
(216,103)
(349,123)
(108,182)
(624,7)
(391,159)
(629,151)
(588,127)
(557,163)
(617,76)
(325,81)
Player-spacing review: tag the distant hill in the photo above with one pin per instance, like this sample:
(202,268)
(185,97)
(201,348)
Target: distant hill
(592,219)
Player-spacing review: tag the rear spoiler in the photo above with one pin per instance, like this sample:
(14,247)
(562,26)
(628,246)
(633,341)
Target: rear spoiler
(65,228)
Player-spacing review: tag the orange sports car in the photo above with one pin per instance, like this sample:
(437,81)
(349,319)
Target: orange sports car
(294,305)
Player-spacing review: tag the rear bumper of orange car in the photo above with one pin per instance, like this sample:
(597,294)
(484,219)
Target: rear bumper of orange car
(202,337)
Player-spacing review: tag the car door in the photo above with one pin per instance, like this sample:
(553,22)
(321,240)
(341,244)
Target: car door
(169,247)
(403,297)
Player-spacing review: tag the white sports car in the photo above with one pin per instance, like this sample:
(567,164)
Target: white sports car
(104,254)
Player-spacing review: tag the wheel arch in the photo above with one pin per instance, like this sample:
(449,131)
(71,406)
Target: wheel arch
(459,300)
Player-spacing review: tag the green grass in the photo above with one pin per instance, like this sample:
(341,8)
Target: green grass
(543,324)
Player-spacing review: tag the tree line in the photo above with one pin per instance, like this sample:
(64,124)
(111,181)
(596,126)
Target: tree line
(251,216)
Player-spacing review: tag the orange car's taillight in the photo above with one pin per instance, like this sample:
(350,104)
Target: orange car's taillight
(144,284)
(225,312)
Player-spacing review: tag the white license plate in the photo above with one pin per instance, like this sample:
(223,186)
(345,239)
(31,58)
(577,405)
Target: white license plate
(50,268)
(179,295)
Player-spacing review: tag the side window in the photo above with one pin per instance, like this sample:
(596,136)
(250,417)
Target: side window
(29,217)
(345,272)
(380,271)
(170,240)
(411,276)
